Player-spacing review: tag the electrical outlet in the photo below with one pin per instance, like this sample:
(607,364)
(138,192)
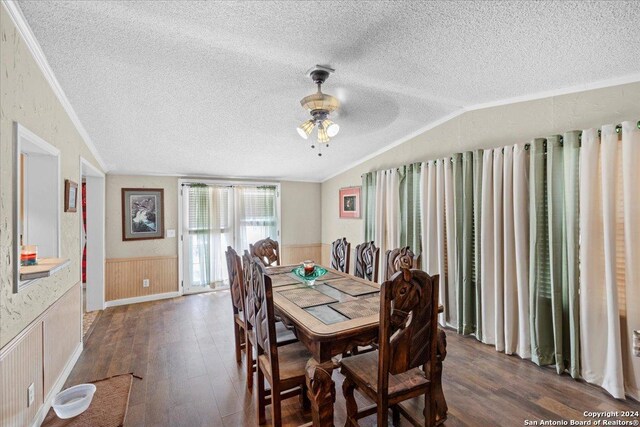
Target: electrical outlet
(145,283)
(31,394)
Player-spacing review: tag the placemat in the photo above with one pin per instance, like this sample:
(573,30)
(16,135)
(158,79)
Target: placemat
(108,407)
(358,308)
(353,287)
(281,269)
(283,279)
(307,297)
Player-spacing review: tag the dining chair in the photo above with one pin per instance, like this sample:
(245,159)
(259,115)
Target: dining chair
(398,258)
(268,250)
(283,367)
(237,301)
(340,255)
(367,261)
(284,335)
(404,366)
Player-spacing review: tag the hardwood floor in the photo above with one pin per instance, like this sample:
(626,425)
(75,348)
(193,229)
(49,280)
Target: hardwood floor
(183,348)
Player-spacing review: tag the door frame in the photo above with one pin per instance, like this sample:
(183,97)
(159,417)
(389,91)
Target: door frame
(214,181)
(96,204)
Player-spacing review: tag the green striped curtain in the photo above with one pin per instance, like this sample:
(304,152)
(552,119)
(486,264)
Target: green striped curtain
(557,244)
(369,205)
(570,258)
(410,227)
(464,201)
(553,278)
(541,311)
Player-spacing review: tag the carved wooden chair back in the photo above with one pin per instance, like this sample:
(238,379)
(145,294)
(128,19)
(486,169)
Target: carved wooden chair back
(265,321)
(268,250)
(367,261)
(235,279)
(408,334)
(340,255)
(399,258)
(249,298)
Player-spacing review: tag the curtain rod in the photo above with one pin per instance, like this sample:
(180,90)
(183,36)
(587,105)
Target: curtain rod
(528,145)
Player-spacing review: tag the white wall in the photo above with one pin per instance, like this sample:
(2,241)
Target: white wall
(486,128)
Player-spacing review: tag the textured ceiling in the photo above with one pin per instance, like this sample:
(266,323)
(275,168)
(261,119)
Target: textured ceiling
(212,88)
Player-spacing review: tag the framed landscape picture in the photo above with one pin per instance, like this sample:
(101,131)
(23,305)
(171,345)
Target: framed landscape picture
(350,202)
(142,213)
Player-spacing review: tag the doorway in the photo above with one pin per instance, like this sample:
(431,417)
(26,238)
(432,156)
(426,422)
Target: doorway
(92,248)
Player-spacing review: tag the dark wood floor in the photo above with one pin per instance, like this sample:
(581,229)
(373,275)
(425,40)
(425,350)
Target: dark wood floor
(183,348)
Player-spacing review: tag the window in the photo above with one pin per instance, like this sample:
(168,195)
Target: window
(217,216)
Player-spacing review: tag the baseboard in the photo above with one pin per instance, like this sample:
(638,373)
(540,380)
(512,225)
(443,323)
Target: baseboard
(44,409)
(145,298)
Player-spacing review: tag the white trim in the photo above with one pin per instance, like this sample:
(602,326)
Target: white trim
(200,177)
(24,137)
(57,386)
(632,78)
(402,140)
(38,55)
(145,298)
(91,173)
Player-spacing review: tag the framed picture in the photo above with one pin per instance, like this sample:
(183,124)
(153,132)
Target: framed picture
(350,202)
(142,213)
(70,196)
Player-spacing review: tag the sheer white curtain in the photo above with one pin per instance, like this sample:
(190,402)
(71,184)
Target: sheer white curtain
(208,231)
(599,310)
(487,252)
(631,212)
(521,237)
(387,223)
(434,234)
(255,215)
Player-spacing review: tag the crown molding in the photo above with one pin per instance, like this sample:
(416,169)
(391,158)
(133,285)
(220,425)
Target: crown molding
(18,19)
(631,78)
(195,176)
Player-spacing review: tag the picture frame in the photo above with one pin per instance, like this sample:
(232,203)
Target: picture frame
(70,196)
(349,202)
(142,213)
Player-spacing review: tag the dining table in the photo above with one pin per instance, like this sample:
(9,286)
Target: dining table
(333,316)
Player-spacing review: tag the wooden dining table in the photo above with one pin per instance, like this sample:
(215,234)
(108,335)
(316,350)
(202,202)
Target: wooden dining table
(337,314)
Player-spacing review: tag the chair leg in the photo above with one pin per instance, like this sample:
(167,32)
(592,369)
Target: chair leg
(261,397)
(304,398)
(352,406)
(429,409)
(383,414)
(396,415)
(249,360)
(236,336)
(276,409)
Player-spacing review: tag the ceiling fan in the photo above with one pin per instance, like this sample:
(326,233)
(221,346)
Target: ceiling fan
(320,106)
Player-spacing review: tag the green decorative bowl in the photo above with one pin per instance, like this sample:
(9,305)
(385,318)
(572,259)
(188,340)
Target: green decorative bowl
(311,278)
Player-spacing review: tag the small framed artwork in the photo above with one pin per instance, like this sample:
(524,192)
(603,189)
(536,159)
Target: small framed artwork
(142,213)
(70,196)
(350,202)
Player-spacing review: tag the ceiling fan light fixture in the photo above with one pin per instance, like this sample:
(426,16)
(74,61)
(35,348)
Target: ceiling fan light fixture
(305,129)
(320,106)
(323,138)
(331,127)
